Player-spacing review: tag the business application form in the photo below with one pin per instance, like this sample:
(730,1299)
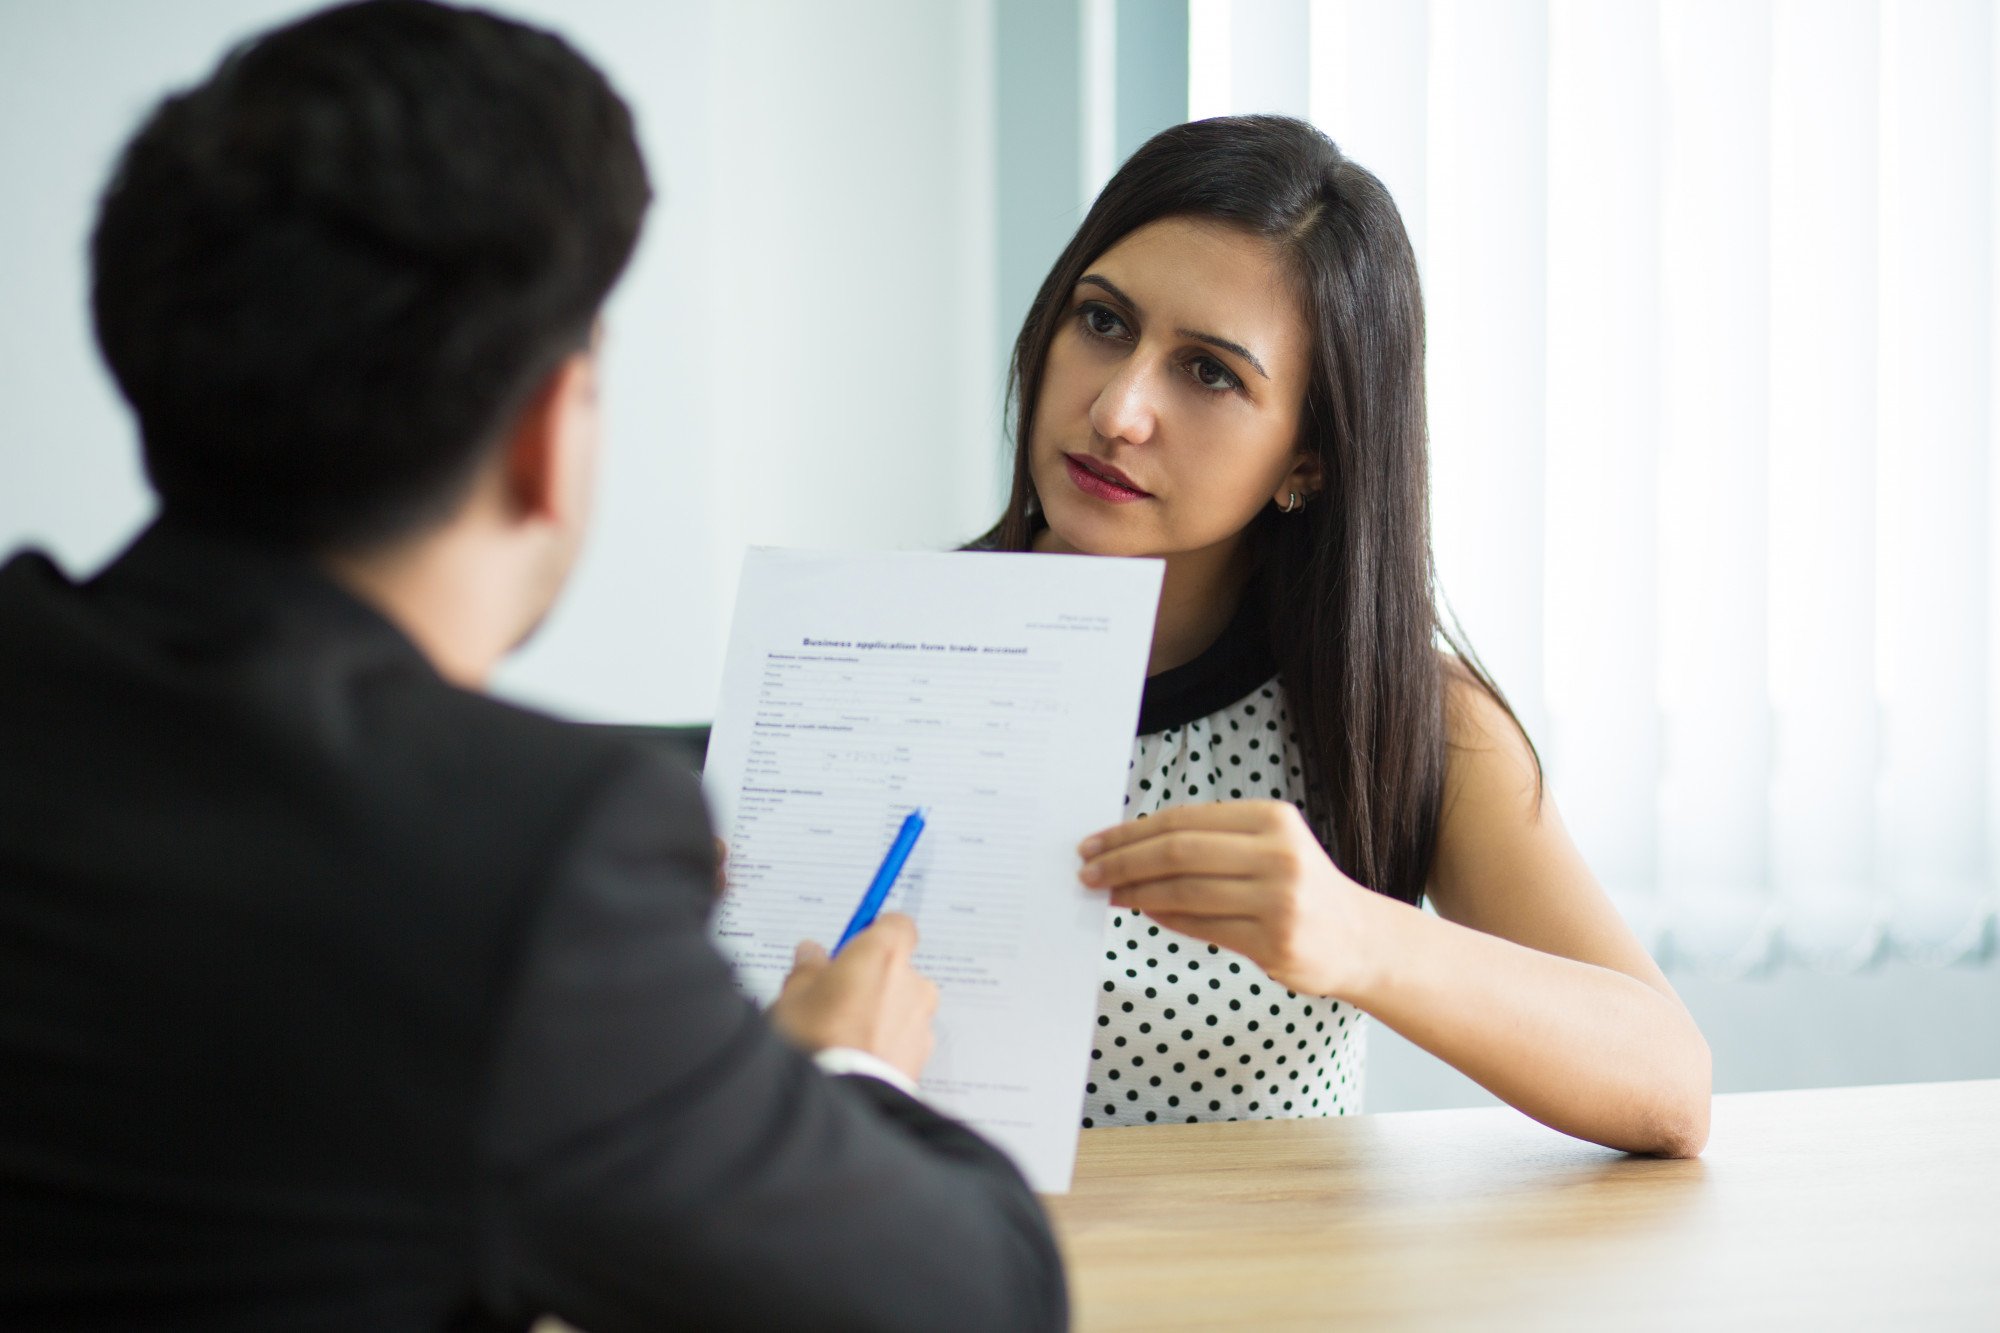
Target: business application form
(999,693)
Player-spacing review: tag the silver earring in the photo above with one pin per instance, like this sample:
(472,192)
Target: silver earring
(1292,502)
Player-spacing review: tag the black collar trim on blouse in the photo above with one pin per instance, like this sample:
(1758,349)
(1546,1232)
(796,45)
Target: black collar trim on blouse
(1238,662)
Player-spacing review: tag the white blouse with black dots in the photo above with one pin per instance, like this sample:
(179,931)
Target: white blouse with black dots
(1187,1031)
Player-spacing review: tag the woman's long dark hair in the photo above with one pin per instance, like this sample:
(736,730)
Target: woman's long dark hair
(1348,581)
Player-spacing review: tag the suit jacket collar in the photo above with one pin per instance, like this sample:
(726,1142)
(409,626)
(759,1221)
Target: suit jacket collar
(201,581)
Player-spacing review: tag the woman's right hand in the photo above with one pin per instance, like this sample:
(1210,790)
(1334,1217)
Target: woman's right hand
(1247,876)
(871,998)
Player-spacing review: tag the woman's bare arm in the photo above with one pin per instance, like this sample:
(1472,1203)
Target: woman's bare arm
(1527,979)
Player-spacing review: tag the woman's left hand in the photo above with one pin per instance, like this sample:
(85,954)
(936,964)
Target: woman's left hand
(1246,875)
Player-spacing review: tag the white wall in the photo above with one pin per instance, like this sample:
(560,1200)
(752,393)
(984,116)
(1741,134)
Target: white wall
(801,354)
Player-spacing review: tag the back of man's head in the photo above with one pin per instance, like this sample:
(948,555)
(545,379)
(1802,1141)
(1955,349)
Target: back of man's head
(328,277)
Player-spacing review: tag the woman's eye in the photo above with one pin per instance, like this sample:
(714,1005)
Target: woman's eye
(1212,374)
(1102,322)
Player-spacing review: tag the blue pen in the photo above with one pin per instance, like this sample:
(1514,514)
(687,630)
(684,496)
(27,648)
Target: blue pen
(885,879)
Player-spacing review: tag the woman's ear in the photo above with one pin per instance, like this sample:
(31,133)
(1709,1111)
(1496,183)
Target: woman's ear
(1305,479)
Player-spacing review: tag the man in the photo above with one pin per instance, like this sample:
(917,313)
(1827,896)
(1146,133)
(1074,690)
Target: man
(334,993)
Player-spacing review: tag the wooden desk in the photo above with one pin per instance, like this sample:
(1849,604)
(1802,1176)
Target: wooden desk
(1843,1207)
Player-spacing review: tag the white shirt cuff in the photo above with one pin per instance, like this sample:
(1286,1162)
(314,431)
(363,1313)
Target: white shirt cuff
(848,1060)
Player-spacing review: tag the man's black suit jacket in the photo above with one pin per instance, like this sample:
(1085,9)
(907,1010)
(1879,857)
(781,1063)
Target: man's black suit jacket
(334,996)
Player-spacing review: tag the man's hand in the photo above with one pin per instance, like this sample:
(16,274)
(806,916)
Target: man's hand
(870,998)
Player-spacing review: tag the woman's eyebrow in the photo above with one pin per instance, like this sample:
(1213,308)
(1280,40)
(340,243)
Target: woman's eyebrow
(1215,340)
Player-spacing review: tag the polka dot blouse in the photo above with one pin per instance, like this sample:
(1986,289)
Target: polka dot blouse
(1187,1031)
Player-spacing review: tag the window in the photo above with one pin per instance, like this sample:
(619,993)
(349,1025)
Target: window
(1712,302)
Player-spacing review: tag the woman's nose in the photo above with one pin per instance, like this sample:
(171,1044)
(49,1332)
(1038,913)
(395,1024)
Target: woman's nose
(1124,409)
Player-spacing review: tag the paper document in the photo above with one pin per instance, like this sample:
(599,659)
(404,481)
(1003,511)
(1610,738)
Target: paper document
(1000,694)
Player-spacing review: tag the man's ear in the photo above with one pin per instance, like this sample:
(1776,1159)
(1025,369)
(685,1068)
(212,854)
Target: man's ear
(540,470)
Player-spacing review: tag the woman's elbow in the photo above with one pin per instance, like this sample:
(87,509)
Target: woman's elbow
(1682,1130)
(1687,1137)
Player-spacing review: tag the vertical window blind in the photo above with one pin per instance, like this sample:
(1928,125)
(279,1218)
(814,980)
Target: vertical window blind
(1712,299)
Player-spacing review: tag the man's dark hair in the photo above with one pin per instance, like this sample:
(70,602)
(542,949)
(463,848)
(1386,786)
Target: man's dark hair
(327,277)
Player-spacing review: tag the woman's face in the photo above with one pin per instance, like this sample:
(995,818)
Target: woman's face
(1169,407)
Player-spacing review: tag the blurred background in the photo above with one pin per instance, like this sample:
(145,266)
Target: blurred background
(1713,300)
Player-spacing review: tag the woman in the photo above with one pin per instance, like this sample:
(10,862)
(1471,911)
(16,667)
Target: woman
(1225,369)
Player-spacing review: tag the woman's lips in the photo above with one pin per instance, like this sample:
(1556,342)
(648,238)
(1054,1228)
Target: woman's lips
(1102,481)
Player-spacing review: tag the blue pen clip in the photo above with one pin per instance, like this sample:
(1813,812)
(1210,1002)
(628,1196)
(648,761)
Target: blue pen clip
(885,878)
